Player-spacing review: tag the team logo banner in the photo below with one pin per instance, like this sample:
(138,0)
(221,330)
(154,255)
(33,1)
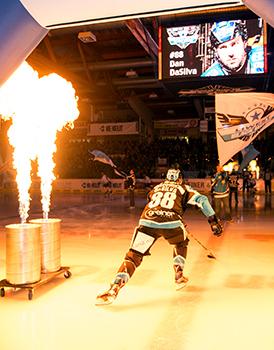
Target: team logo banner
(240,118)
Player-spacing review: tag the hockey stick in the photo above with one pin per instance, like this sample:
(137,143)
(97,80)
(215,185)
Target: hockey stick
(210,254)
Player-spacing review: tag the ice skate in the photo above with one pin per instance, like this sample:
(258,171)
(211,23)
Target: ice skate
(181,282)
(180,279)
(109,296)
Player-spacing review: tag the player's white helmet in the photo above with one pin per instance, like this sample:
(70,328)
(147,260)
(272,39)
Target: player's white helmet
(173,175)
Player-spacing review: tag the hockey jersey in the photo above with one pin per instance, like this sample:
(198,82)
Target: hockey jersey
(168,201)
(220,185)
(233,181)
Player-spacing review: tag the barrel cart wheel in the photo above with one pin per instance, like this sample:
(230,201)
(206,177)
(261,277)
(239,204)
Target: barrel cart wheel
(30,294)
(67,274)
(45,277)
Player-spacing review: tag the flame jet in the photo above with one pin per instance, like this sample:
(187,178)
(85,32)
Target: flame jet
(39,108)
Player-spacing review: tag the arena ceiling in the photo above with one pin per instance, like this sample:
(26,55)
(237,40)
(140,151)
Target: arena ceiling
(115,67)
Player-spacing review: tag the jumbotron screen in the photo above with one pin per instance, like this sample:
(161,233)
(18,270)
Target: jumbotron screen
(215,49)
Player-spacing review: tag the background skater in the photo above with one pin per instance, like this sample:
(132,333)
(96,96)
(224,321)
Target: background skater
(131,183)
(106,183)
(220,190)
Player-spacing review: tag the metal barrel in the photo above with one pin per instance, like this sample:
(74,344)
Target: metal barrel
(23,253)
(50,244)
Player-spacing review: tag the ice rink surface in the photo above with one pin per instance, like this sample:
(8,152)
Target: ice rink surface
(227,304)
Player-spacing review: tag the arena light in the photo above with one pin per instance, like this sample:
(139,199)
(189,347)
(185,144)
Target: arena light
(87,37)
(131,73)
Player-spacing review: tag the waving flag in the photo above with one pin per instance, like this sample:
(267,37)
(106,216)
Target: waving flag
(249,153)
(240,118)
(103,158)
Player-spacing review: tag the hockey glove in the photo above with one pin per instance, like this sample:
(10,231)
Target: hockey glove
(215,225)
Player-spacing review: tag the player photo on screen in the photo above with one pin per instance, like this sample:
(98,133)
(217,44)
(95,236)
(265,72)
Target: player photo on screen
(214,49)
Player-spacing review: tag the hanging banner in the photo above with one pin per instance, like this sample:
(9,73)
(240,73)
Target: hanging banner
(102,129)
(240,118)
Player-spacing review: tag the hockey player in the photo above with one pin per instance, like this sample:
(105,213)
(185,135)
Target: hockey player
(233,187)
(131,183)
(233,53)
(162,217)
(220,187)
(106,183)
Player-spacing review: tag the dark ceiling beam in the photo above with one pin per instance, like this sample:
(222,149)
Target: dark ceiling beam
(123,84)
(147,86)
(136,81)
(46,66)
(145,113)
(143,36)
(50,49)
(199,106)
(113,65)
(84,61)
(132,82)
(123,52)
(167,103)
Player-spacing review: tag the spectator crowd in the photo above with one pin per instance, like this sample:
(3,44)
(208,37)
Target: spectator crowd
(193,155)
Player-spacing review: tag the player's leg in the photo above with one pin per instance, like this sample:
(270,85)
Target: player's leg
(140,246)
(178,238)
(179,259)
(218,207)
(230,198)
(227,212)
(236,197)
(131,261)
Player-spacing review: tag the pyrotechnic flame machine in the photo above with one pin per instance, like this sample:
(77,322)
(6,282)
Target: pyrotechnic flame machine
(50,244)
(23,253)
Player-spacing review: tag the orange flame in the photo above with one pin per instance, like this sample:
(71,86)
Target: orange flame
(39,108)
